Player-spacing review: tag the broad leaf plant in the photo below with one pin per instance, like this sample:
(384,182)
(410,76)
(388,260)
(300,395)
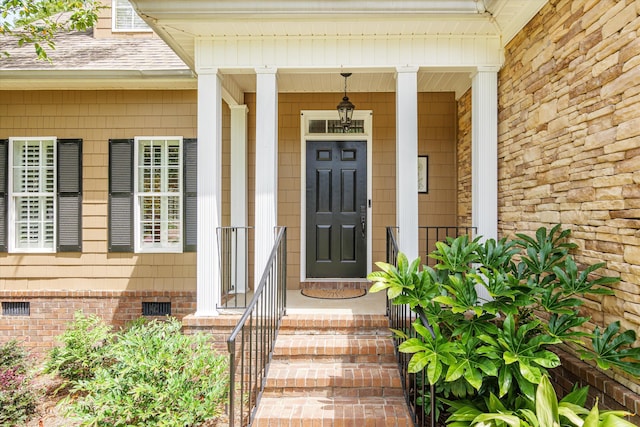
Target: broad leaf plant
(491,356)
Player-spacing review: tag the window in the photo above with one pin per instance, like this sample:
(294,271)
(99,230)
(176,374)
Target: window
(333,126)
(125,17)
(158,194)
(152,194)
(40,195)
(32,202)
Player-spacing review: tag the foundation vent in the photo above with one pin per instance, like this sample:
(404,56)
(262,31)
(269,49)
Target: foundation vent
(13,308)
(156,309)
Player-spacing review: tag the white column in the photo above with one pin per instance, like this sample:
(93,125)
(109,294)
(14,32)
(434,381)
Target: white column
(407,160)
(209,191)
(484,152)
(266,214)
(239,208)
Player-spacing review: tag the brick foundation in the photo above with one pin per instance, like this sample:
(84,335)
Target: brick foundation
(609,393)
(219,327)
(51,311)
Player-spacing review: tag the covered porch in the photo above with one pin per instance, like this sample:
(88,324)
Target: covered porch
(254,58)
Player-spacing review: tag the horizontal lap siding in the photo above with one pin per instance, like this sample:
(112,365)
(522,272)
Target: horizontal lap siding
(97,116)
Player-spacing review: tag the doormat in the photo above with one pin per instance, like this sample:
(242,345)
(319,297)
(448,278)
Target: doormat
(334,293)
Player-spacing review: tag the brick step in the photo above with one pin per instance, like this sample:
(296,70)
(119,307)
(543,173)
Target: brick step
(328,379)
(304,324)
(339,411)
(334,348)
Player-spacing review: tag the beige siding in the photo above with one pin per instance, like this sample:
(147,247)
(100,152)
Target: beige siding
(436,139)
(569,138)
(97,116)
(103,28)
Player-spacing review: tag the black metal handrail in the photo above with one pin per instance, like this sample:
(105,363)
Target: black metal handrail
(401,317)
(233,247)
(419,395)
(251,342)
(429,235)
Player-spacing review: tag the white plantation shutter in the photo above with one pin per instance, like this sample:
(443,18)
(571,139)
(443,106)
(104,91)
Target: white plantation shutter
(40,195)
(33,194)
(125,17)
(159,194)
(165,194)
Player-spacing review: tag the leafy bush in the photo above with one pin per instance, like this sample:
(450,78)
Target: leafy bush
(17,398)
(85,343)
(472,348)
(156,376)
(545,411)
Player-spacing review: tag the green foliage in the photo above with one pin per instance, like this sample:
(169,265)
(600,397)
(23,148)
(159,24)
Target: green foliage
(498,350)
(17,397)
(12,355)
(37,21)
(544,411)
(85,348)
(613,349)
(156,376)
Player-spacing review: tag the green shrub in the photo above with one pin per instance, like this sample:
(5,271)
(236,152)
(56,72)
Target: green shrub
(17,398)
(157,376)
(83,350)
(471,349)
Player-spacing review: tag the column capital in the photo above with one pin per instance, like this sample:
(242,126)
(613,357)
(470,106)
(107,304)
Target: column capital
(484,69)
(266,70)
(237,107)
(209,71)
(407,69)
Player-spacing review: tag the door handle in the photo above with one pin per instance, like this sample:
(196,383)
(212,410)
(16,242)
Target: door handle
(363,220)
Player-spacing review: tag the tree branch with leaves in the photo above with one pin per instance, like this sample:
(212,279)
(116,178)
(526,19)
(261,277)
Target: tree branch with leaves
(36,22)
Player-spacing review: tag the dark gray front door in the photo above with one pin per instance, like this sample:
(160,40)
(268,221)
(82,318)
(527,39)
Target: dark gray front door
(336,209)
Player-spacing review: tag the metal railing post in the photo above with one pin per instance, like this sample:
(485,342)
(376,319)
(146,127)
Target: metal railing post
(259,326)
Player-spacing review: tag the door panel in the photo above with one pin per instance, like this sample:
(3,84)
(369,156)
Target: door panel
(336,205)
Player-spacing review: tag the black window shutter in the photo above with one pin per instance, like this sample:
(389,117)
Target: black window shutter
(4,146)
(190,177)
(120,195)
(69,216)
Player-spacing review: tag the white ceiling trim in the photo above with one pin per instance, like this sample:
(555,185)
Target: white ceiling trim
(168,8)
(349,52)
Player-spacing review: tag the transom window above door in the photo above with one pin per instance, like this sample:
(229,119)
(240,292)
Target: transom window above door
(317,126)
(321,123)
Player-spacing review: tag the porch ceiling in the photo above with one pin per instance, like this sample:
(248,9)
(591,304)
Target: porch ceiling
(378,81)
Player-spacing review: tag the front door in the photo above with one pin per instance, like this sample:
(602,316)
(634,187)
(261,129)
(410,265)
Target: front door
(336,193)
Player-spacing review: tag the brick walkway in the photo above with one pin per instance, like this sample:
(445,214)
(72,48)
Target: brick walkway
(333,370)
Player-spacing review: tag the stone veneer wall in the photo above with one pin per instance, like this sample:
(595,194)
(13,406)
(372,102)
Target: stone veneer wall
(463,160)
(569,141)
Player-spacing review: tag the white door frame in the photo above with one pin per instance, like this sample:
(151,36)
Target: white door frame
(305,117)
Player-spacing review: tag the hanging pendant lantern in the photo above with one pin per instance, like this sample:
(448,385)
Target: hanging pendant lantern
(345,107)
